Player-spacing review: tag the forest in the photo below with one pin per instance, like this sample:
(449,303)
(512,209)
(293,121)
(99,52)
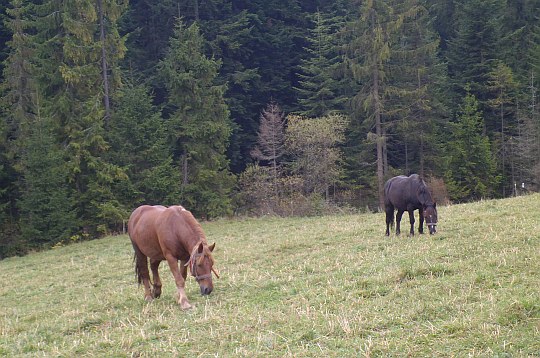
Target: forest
(275,107)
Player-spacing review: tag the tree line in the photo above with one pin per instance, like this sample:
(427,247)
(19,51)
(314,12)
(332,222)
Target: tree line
(257,107)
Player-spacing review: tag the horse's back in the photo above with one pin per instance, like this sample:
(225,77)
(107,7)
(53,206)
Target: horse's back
(142,229)
(400,191)
(159,230)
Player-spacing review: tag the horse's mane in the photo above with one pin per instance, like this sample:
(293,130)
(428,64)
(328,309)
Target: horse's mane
(188,216)
(423,193)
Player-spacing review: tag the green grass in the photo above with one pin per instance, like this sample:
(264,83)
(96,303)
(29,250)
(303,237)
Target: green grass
(332,286)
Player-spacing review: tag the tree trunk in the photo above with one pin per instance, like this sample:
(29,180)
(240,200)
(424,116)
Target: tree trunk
(104,67)
(184,166)
(379,132)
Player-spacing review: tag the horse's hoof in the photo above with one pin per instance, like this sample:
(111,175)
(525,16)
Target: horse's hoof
(185,306)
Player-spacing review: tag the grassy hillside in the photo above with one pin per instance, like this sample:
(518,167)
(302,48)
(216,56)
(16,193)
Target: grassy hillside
(303,287)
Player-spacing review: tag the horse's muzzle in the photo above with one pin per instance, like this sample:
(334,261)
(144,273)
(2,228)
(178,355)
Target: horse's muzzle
(205,290)
(432,229)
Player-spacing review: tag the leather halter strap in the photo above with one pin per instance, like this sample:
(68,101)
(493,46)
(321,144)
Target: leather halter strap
(192,263)
(193,267)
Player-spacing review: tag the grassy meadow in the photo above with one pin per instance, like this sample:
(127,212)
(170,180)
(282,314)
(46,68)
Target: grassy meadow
(331,286)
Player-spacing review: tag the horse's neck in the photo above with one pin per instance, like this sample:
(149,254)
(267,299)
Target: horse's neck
(424,197)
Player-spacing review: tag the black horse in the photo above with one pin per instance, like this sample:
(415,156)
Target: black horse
(410,194)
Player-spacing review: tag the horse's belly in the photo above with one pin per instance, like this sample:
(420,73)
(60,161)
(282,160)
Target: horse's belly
(153,251)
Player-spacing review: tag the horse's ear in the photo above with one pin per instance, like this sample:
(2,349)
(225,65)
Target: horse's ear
(200,248)
(211,247)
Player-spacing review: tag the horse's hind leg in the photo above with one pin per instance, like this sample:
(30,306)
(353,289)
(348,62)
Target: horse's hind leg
(154,265)
(389,219)
(421,224)
(141,267)
(398,221)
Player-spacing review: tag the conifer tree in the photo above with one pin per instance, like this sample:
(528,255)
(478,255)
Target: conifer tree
(319,89)
(199,123)
(70,80)
(472,169)
(139,145)
(16,109)
(47,210)
(472,52)
(271,139)
(368,52)
(5,35)
(519,25)
(503,86)
(413,105)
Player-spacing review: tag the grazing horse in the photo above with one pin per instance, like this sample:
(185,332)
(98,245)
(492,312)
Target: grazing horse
(409,194)
(170,233)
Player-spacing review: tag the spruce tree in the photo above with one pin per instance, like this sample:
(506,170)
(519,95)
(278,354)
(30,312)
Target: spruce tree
(519,25)
(503,87)
(472,52)
(5,35)
(69,61)
(413,107)
(199,123)
(139,145)
(367,56)
(472,169)
(319,87)
(47,210)
(17,109)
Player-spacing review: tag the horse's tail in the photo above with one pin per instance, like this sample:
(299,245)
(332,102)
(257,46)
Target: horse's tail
(136,262)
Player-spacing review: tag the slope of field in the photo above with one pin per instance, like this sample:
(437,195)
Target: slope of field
(331,286)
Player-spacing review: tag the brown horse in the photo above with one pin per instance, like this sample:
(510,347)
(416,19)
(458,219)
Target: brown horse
(160,233)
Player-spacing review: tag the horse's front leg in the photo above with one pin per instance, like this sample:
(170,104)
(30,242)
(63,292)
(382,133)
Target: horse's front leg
(411,219)
(398,221)
(179,278)
(421,225)
(154,265)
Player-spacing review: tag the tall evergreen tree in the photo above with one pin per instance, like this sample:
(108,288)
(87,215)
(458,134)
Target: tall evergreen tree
(319,87)
(17,108)
(139,145)
(5,35)
(413,104)
(472,169)
(199,121)
(503,86)
(367,57)
(519,23)
(443,17)
(232,39)
(472,52)
(47,210)
(70,78)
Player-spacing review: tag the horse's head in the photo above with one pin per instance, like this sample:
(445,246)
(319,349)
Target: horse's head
(430,215)
(201,264)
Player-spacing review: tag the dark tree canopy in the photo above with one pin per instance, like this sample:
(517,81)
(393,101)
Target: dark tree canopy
(161,101)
